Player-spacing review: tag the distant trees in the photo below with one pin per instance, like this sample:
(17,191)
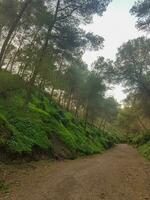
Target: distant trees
(133,69)
(94,91)
(133,64)
(131,118)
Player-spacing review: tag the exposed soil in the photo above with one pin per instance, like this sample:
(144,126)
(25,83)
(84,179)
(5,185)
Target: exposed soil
(119,174)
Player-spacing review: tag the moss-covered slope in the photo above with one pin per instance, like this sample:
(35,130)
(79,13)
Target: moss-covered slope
(43,128)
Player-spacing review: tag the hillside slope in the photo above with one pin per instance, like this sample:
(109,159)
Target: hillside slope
(43,128)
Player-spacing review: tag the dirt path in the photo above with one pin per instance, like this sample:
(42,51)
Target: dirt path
(119,174)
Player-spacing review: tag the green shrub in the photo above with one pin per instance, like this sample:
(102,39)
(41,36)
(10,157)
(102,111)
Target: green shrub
(142,142)
(9,83)
(39,111)
(145,150)
(28,134)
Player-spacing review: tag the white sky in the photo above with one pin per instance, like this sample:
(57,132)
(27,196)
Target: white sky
(116,26)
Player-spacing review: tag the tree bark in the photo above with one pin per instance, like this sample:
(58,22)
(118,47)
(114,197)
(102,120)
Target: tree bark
(19,69)
(86,117)
(22,71)
(59,99)
(69,100)
(16,54)
(52,92)
(77,109)
(141,123)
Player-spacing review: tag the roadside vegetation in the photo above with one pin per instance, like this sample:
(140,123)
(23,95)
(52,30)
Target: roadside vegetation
(133,69)
(44,128)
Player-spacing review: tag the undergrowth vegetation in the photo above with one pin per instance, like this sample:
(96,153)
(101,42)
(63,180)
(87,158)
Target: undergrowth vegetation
(44,128)
(142,142)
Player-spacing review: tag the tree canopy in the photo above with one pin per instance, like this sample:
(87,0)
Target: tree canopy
(141,10)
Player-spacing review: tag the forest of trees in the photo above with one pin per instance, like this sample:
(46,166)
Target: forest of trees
(42,43)
(54,106)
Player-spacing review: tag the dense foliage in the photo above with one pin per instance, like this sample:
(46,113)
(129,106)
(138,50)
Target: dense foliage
(44,128)
(142,142)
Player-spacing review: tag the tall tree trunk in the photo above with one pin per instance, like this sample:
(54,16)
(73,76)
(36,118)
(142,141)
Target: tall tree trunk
(8,45)
(16,54)
(19,69)
(22,71)
(12,29)
(52,92)
(7,66)
(42,84)
(104,125)
(43,52)
(77,109)
(69,100)
(101,123)
(60,95)
(1,29)
(86,117)
(64,102)
(72,105)
(141,123)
